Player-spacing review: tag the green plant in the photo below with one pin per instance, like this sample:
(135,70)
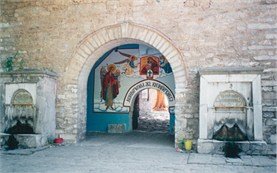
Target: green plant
(181,144)
(8,64)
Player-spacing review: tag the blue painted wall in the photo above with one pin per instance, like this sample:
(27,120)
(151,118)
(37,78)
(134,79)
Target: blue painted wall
(99,122)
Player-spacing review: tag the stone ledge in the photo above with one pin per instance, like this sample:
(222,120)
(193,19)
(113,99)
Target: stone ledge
(231,70)
(3,139)
(25,140)
(30,72)
(31,140)
(207,146)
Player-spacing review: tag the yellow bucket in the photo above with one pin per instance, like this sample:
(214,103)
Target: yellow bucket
(188,145)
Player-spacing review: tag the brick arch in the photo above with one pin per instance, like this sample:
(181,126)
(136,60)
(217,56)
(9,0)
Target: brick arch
(96,44)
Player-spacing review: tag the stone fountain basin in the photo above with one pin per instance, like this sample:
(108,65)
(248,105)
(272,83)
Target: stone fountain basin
(215,146)
(25,140)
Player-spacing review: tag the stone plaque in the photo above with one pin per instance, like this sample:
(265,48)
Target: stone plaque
(22,96)
(229,99)
(116,128)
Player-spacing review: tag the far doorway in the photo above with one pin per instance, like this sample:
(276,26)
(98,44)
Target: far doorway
(151,112)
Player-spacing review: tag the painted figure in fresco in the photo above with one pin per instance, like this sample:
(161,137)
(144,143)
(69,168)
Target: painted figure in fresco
(149,63)
(110,85)
(160,104)
(103,71)
(164,64)
(129,63)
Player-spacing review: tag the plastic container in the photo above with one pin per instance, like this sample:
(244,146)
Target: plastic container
(188,145)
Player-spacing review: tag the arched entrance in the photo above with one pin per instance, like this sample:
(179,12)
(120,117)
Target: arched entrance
(74,82)
(133,92)
(150,112)
(117,78)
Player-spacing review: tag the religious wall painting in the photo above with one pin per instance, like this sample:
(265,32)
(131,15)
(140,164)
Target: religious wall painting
(109,84)
(110,75)
(128,63)
(149,66)
(164,65)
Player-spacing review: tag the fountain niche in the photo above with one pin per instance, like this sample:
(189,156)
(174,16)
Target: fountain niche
(20,114)
(19,121)
(28,112)
(230,110)
(230,117)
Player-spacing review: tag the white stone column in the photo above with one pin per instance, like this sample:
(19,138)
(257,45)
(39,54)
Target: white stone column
(257,105)
(203,110)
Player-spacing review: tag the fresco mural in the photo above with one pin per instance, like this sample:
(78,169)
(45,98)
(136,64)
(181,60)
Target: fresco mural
(123,67)
(129,63)
(164,64)
(109,84)
(149,65)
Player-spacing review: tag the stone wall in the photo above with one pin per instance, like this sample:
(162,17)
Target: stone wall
(207,33)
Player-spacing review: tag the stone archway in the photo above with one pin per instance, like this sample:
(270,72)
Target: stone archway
(73,94)
(133,92)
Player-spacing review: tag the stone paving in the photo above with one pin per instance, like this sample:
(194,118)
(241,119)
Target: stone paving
(132,152)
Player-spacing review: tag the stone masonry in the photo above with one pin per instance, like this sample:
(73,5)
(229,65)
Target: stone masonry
(68,36)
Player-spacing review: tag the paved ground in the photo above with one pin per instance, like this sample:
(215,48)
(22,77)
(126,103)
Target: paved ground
(133,152)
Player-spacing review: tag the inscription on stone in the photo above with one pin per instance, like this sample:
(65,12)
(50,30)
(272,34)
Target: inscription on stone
(229,98)
(148,84)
